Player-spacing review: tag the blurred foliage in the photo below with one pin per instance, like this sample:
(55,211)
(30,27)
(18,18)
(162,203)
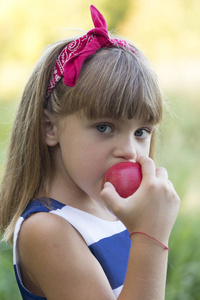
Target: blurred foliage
(116,12)
(168,31)
(178,151)
(8,284)
(165,28)
(7,112)
(178,146)
(184,260)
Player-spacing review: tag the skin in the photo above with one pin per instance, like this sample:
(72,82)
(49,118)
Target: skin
(82,150)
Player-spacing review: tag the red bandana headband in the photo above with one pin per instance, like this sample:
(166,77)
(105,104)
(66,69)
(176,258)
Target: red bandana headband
(72,57)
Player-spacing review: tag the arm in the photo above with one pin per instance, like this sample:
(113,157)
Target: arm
(146,274)
(57,263)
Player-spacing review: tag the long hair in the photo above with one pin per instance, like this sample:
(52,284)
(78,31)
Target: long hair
(114,82)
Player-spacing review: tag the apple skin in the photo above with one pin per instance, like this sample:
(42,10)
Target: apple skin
(125,176)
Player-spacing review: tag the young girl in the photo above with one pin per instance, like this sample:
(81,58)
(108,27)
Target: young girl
(90,103)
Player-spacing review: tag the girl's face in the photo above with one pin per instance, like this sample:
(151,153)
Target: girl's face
(87,148)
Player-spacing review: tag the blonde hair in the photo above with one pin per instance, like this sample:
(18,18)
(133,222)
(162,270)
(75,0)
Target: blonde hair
(114,82)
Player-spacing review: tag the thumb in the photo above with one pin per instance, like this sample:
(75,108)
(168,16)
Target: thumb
(111,198)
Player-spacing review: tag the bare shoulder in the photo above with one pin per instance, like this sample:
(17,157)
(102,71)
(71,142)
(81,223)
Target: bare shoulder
(57,262)
(43,226)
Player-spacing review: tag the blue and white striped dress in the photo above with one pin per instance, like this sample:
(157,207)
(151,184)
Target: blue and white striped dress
(107,240)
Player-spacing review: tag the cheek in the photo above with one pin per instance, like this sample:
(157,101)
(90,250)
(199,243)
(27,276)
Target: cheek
(143,149)
(148,149)
(83,161)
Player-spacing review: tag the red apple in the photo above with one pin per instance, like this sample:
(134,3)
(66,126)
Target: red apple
(125,176)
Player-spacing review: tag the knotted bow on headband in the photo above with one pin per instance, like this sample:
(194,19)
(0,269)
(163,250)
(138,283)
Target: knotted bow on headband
(72,57)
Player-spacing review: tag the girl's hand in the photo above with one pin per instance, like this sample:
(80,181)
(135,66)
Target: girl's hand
(152,209)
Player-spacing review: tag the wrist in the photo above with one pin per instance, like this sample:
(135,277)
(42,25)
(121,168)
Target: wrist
(150,237)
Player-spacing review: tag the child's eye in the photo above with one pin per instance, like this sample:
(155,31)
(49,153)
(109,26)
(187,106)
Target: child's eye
(104,128)
(142,133)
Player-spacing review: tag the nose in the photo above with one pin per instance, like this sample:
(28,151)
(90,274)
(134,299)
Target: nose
(125,149)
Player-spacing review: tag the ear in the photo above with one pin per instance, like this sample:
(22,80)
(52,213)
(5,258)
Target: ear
(50,129)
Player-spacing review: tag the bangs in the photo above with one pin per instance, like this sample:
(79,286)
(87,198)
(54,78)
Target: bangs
(114,83)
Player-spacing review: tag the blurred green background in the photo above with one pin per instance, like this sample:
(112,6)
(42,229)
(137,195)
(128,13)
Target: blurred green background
(168,33)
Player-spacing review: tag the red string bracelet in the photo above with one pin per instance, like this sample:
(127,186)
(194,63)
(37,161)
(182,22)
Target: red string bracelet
(151,237)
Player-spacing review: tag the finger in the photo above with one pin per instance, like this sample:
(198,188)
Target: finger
(111,198)
(148,167)
(170,182)
(171,185)
(161,173)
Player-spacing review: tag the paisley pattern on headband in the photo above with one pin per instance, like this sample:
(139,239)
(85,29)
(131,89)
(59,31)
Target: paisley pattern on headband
(70,50)
(73,55)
